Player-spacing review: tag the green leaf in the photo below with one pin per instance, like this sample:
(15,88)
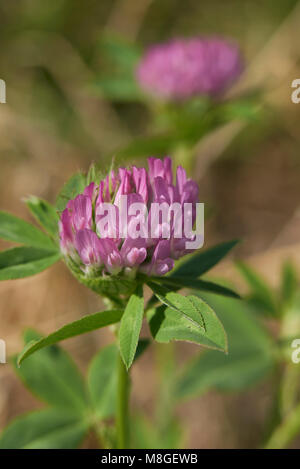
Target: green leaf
(261,295)
(289,284)
(74,186)
(24,261)
(185,305)
(198,264)
(130,327)
(19,231)
(44,429)
(45,214)
(250,356)
(53,377)
(102,378)
(121,53)
(197,284)
(81,326)
(247,108)
(148,435)
(117,81)
(118,88)
(167,324)
(102,381)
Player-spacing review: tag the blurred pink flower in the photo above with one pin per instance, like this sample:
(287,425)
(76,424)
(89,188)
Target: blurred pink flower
(182,68)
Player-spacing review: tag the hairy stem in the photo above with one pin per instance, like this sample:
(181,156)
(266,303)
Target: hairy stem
(123,436)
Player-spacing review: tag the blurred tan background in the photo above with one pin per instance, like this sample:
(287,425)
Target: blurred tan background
(52,125)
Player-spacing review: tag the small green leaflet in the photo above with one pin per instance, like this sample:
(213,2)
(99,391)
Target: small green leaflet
(102,378)
(19,231)
(197,284)
(260,294)
(86,324)
(44,429)
(149,435)
(250,357)
(53,377)
(167,324)
(102,381)
(117,81)
(130,327)
(199,263)
(123,54)
(186,275)
(120,88)
(44,213)
(74,186)
(24,261)
(187,306)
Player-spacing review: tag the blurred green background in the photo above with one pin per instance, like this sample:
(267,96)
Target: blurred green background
(70,102)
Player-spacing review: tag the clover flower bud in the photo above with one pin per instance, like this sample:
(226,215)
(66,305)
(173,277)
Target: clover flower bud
(91,227)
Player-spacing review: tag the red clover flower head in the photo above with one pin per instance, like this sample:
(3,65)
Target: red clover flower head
(182,68)
(115,227)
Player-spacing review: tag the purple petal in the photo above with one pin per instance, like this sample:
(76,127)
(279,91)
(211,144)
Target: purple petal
(161,262)
(82,216)
(168,169)
(133,251)
(125,184)
(110,256)
(162,250)
(65,232)
(164,266)
(180,179)
(160,168)
(156,168)
(88,246)
(140,179)
(190,192)
(91,191)
(161,190)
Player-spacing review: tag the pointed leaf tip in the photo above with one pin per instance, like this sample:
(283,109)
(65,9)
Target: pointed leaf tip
(130,327)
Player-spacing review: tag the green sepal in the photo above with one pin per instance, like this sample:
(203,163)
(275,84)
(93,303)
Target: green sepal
(114,287)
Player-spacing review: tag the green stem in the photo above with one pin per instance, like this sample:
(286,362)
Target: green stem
(290,380)
(101,432)
(275,418)
(165,357)
(286,432)
(184,153)
(123,437)
(288,418)
(289,388)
